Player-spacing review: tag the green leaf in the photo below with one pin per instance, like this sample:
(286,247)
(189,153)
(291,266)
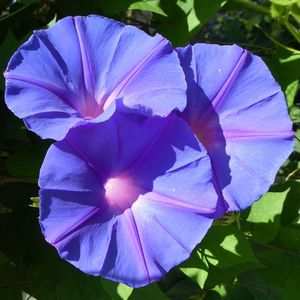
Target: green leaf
(117,291)
(184,289)
(113,7)
(292,288)
(57,280)
(290,238)
(225,246)
(265,216)
(196,267)
(148,5)
(52,22)
(287,72)
(77,7)
(260,289)
(276,10)
(213,295)
(28,1)
(19,229)
(280,266)
(11,281)
(284,2)
(234,292)
(27,163)
(217,276)
(185,18)
(291,206)
(3,258)
(295,11)
(149,292)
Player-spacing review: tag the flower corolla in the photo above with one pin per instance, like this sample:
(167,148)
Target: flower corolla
(125,196)
(74,70)
(238,112)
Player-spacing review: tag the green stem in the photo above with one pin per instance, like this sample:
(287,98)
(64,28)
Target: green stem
(14,179)
(264,10)
(290,28)
(273,247)
(14,13)
(268,35)
(254,287)
(24,283)
(252,5)
(291,174)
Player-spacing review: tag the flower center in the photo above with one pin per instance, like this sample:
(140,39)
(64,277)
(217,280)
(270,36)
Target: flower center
(121,193)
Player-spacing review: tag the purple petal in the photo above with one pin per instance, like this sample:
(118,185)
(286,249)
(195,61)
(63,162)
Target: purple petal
(79,66)
(238,112)
(123,191)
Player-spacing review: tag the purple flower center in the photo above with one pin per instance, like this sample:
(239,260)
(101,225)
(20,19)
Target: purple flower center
(122,193)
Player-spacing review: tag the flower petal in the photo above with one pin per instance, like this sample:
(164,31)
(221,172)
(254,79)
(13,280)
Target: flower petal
(239,114)
(123,187)
(79,66)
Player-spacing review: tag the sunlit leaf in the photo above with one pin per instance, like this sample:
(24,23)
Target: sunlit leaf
(225,246)
(287,66)
(284,2)
(196,267)
(265,216)
(148,5)
(186,18)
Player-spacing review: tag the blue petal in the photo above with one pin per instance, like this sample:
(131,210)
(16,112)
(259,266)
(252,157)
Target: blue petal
(123,191)
(79,66)
(238,112)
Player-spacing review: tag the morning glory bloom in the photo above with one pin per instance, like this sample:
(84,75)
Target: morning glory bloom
(238,112)
(74,70)
(120,198)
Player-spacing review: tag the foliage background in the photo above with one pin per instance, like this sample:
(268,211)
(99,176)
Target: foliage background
(252,255)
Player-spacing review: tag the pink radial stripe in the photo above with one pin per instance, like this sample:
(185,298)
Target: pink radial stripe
(137,164)
(89,161)
(215,102)
(119,88)
(87,63)
(242,108)
(129,217)
(168,201)
(63,95)
(163,228)
(256,134)
(249,169)
(93,214)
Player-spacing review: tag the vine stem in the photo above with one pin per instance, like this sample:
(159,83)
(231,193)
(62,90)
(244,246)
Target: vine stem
(273,247)
(25,283)
(253,287)
(255,6)
(264,10)
(291,174)
(14,179)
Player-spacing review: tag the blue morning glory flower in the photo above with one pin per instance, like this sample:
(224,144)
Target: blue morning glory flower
(238,112)
(75,69)
(120,198)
